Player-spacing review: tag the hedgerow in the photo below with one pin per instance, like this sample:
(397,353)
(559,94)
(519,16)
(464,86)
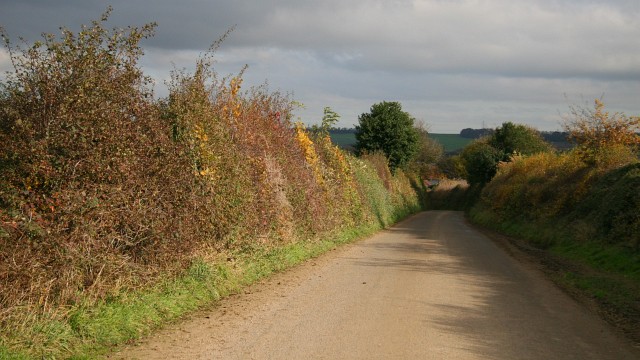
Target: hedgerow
(106,190)
(561,191)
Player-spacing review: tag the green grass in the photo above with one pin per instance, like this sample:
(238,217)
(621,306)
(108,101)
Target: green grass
(343,139)
(451,142)
(5,354)
(613,278)
(612,259)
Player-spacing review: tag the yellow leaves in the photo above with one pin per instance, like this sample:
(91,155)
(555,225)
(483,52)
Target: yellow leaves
(235,85)
(309,151)
(233,106)
(200,134)
(237,111)
(208,172)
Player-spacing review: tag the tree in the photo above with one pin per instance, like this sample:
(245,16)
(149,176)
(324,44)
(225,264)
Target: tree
(481,157)
(469,133)
(519,139)
(429,152)
(480,161)
(388,129)
(329,118)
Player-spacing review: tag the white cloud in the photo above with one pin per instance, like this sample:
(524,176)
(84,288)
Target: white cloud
(5,62)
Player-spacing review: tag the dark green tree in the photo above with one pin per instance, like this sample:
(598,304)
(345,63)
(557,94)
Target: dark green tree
(510,139)
(481,157)
(388,129)
(480,161)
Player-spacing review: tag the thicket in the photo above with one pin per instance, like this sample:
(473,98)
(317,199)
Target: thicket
(480,159)
(592,190)
(105,189)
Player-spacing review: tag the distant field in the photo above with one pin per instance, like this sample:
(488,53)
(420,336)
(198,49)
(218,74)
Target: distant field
(343,140)
(451,142)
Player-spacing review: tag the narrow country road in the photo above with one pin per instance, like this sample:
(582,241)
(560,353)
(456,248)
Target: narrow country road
(430,288)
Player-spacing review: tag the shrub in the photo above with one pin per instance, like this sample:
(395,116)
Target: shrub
(540,186)
(86,193)
(547,188)
(482,156)
(611,208)
(480,161)
(106,191)
(429,153)
(602,136)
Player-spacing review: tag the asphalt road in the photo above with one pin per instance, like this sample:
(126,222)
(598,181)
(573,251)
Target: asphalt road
(430,288)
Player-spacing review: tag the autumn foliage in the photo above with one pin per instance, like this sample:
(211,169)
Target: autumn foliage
(592,191)
(600,135)
(105,188)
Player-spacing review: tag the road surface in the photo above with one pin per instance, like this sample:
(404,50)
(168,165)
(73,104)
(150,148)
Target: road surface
(432,287)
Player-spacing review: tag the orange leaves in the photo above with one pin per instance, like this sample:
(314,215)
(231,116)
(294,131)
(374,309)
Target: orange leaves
(596,130)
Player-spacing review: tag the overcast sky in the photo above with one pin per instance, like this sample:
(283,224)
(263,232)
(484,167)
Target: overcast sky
(451,63)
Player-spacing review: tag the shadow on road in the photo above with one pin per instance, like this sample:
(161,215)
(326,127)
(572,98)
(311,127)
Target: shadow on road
(500,308)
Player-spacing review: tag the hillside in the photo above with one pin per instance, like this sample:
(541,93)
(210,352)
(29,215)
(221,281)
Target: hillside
(451,142)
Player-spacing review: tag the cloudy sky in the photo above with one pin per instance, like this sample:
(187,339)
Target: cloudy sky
(451,63)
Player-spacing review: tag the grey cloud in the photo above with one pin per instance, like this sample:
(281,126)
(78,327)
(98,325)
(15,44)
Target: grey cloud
(495,55)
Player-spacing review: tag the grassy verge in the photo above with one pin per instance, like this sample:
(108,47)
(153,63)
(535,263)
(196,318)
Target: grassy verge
(606,277)
(89,332)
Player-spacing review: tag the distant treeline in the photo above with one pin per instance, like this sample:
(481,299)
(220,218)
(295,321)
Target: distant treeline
(550,136)
(343,130)
(469,133)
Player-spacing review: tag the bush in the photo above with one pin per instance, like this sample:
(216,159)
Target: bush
(106,191)
(86,190)
(429,153)
(599,203)
(482,156)
(599,133)
(542,186)
(480,161)
(612,207)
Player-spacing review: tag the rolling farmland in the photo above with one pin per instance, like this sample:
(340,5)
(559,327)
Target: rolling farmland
(451,142)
